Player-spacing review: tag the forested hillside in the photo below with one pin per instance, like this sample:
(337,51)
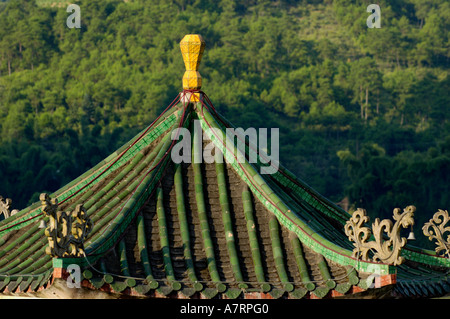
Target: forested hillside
(363,113)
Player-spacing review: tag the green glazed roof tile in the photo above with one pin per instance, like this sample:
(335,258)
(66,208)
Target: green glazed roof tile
(200,229)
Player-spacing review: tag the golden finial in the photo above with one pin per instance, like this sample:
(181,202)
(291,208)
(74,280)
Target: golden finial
(192,47)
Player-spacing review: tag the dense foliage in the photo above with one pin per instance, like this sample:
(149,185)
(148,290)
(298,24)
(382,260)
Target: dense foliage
(362,112)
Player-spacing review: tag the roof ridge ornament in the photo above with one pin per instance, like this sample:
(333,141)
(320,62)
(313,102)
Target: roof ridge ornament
(66,231)
(192,47)
(385,250)
(435,229)
(4,207)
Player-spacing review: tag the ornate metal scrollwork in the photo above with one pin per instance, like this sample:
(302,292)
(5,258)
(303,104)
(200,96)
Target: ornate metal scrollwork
(66,231)
(4,207)
(436,228)
(384,250)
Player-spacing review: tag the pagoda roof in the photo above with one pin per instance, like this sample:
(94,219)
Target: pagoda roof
(162,228)
(203,229)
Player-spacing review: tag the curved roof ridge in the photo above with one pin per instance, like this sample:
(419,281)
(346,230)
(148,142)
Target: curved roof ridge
(289,179)
(276,205)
